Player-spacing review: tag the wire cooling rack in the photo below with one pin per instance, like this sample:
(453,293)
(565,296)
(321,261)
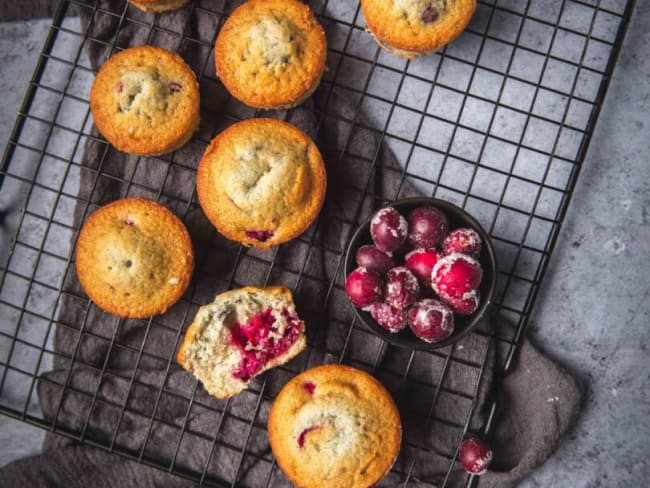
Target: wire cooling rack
(498,122)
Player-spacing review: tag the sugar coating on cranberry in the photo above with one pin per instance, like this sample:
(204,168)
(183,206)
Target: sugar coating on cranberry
(427,226)
(370,257)
(421,262)
(455,275)
(388,229)
(390,318)
(431,320)
(475,455)
(401,287)
(363,287)
(465,305)
(463,241)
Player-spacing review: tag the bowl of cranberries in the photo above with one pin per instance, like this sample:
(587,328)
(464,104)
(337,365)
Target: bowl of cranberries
(420,273)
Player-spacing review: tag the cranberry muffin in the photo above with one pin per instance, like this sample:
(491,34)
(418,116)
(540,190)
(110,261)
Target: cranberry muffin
(271,53)
(134,258)
(261,182)
(412,28)
(145,101)
(334,426)
(157,6)
(241,334)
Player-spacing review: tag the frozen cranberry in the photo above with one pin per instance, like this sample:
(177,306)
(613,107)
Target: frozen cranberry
(428,226)
(363,287)
(455,275)
(388,229)
(401,288)
(373,259)
(259,235)
(421,263)
(475,455)
(463,241)
(390,318)
(429,14)
(465,305)
(431,320)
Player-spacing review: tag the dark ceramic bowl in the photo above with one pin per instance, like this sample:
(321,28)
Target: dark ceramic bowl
(463,324)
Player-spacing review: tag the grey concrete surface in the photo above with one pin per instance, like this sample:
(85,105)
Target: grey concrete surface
(592,312)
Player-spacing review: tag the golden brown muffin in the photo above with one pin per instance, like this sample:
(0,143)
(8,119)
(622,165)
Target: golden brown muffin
(412,28)
(271,53)
(158,5)
(134,258)
(241,334)
(145,100)
(261,182)
(334,426)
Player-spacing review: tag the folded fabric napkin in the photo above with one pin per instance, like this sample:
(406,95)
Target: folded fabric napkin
(537,401)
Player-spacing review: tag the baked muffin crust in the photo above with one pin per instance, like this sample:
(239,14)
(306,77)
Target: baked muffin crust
(134,258)
(334,426)
(261,182)
(145,100)
(411,28)
(157,6)
(271,53)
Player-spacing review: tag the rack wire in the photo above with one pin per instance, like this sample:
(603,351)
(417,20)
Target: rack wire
(498,122)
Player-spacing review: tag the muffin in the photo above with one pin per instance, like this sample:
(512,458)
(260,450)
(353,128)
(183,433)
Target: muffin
(334,426)
(412,28)
(145,101)
(271,53)
(134,258)
(158,5)
(241,334)
(261,182)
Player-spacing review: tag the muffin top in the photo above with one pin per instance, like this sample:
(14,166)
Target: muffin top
(261,182)
(417,25)
(134,258)
(271,53)
(334,426)
(145,100)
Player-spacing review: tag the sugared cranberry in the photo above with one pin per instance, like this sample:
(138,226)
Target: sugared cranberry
(428,226)
(390,318)
(401,288)
(431,320)
(421,263)
(388,229)
(455,275)
(464,305)
(259,235)
(463,241)
(373,259)
(363,287)
(175,87)
(429,14)
(475,455)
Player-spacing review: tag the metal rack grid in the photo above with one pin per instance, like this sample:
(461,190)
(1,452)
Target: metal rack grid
(498,122)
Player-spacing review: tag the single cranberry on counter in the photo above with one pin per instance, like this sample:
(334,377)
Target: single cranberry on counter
(388,229)
(455,275)
(465,305)
(428,226)
(401,288)
(421,263)
(390,318)
(363,287)
(431,320)
(475,455)
(463,241)
(373,259)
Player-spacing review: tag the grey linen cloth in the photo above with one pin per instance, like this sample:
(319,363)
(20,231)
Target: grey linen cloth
(537,401)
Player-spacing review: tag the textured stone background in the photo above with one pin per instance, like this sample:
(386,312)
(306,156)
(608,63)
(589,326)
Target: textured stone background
(592,312)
